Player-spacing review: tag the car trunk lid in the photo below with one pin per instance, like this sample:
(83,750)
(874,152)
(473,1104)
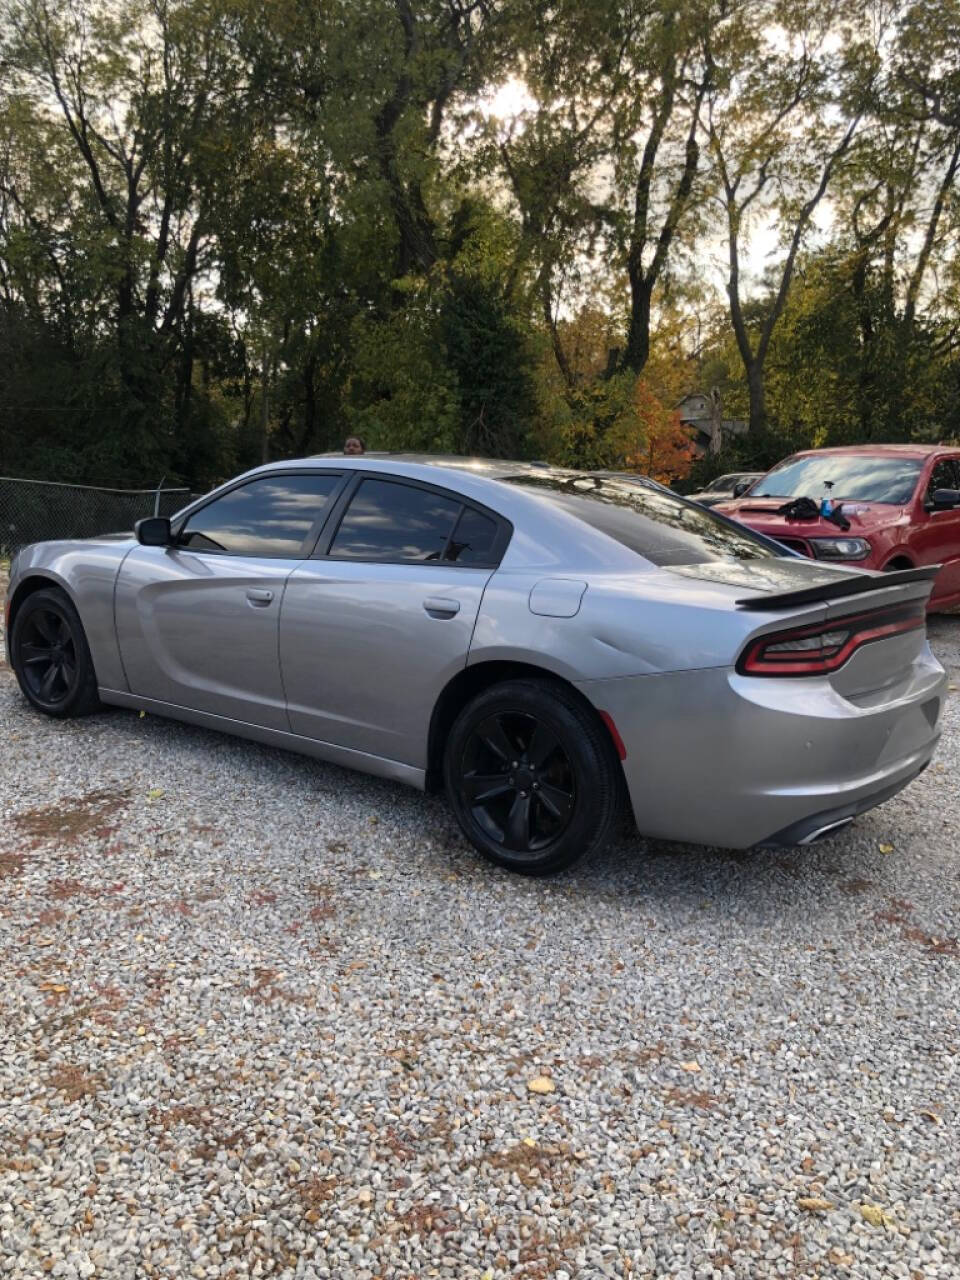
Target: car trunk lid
(866,629)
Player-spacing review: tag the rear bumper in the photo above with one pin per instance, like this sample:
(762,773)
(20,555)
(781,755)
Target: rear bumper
(809,830)
(720,759)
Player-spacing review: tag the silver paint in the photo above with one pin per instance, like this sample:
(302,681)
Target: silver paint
(346,660)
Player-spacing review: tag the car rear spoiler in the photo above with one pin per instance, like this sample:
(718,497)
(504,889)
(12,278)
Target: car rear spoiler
(852,586)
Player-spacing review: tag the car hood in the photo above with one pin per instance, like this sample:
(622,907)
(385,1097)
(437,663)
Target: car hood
(761,514)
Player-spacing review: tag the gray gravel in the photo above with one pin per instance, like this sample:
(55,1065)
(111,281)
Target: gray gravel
(261,1016)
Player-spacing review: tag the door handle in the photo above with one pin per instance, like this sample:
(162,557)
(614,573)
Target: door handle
(441,607)
(259,598)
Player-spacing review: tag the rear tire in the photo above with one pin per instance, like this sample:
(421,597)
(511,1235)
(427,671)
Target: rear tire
(50,656)
(532,776)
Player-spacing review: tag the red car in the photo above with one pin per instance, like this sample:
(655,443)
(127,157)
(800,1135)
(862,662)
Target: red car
(888,506)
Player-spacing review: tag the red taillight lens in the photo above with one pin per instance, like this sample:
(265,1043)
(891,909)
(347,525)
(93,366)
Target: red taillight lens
(826,646)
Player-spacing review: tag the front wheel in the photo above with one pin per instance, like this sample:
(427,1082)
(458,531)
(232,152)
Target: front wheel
(50,655)
(532,776)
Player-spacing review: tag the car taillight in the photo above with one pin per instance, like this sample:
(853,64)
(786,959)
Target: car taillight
(824,647)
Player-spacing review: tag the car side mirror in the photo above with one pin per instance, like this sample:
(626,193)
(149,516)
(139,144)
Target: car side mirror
(154,531)
(945,499)
(741,487)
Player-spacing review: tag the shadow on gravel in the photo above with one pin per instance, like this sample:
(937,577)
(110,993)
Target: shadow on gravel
(633,872)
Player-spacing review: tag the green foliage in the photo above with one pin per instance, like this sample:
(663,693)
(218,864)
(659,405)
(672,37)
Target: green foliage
(231,231)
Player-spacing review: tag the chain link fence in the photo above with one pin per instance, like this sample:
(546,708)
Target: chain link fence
(38,510)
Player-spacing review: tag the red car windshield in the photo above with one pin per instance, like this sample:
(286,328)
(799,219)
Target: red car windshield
(848,477)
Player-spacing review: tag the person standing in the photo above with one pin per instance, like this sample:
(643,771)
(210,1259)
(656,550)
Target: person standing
(354,445)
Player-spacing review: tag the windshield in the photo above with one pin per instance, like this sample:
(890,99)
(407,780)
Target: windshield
(723,484)
(851,477)
(650,521)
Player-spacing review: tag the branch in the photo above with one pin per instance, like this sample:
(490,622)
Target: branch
(923,258)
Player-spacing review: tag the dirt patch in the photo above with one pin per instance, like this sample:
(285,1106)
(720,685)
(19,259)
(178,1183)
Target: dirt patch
(71,818)
(856,885)
(11,864)
(691,1098)
(315,1193)
(529,1163)
(425,1219)
(74,1081)
(929,941)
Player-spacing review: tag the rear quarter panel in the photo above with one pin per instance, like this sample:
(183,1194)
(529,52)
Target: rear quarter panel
(87,572)
(644,623)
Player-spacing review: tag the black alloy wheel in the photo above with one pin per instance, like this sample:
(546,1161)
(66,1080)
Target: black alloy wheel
(50,656)
(532,775)
(47,656)
(518,781)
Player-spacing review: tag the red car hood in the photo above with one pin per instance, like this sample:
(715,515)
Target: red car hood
(761,514)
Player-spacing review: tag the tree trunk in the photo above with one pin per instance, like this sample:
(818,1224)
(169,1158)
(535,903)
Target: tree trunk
(265,413)
(758,396)
(637,351)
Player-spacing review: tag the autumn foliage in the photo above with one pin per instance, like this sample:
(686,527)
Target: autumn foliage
(651,438)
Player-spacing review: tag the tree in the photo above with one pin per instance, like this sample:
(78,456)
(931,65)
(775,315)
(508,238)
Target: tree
(788,103)
(604,166)
(137,97)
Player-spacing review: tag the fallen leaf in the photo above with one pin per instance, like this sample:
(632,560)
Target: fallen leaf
(885,848)
(141,1031)
(541,1084)
(814,1204)
(878,1217)
(529,1142)
(839,1258)
(155,793)
(142,715)
(692,1067)
(56,987)
(930,1115)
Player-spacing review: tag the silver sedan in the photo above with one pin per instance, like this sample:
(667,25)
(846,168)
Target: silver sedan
(549,646)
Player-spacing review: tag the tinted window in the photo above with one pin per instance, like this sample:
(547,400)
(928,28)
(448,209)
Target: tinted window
(723,484)
(473,539)
(267,517)
(390,521)
(850,476)
(651,522)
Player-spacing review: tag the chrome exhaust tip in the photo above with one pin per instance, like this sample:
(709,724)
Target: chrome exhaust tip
(828,829)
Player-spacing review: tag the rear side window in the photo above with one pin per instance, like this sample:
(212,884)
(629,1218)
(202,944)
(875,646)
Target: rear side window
(271,516)
(390,521)
(474,539)
(653,523)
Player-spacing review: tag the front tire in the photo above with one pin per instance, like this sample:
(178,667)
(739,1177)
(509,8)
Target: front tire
(50,656)
(532,776)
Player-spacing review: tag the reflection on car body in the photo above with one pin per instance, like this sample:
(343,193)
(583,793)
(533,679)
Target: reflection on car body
(545,644)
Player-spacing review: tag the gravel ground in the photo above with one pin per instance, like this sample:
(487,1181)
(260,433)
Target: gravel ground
(261,1016)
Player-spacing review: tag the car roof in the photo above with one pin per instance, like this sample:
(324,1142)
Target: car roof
(456,461)
(879,450)
(431,466)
